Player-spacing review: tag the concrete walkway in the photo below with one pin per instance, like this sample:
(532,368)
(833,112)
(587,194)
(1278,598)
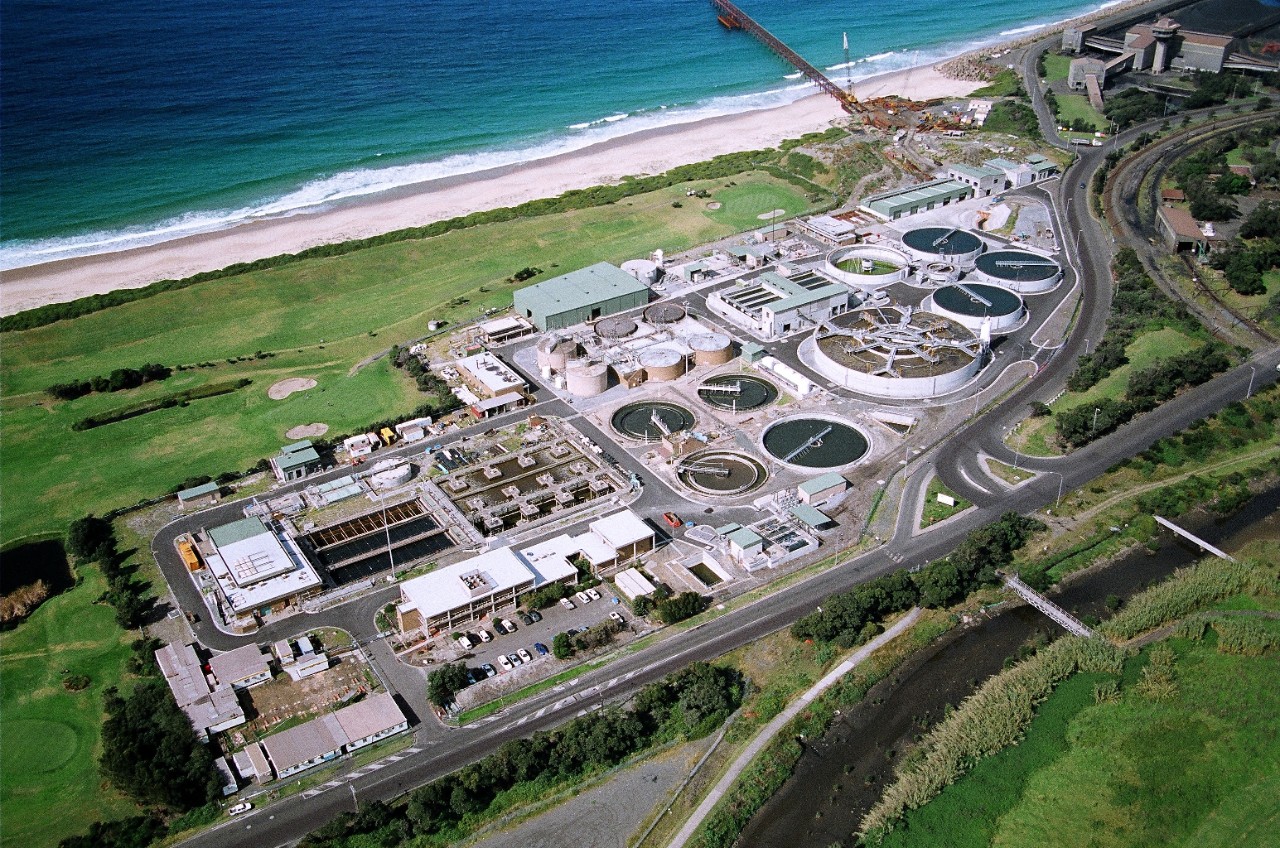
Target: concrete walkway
(771,729)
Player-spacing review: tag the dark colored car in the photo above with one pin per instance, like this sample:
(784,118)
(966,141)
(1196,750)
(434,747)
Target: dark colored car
(500,627)
(526,618)
(535,615)
(541,649)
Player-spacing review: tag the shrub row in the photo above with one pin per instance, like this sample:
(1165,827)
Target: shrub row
(118,380)
(994,717)
(145,407)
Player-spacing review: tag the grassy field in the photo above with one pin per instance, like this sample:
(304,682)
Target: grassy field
(320,318)
(49,786)
(934,510)
(1033,436)
(1072,107)
(1198,768)
(1056,67)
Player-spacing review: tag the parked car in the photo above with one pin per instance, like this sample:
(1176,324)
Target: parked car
(471,677)
(541,649)
(500,627)
(584,597)
(511,628)
(515,660)
(617,616)
(526,618)
(672,519)
(525,656)
(485,635)
(464,642)
(593,594)
(242,807)
(505,663)
(489,670)
(535,615)
(567,604)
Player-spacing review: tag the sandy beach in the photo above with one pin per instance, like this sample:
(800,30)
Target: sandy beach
(649,152)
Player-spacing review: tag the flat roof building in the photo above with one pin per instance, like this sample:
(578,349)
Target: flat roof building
(894,204)
(984,180)
(210,709)
(626,533)
(772,306)
(295,461)
(821,489)
(258,569)
(488,376)
(582,295)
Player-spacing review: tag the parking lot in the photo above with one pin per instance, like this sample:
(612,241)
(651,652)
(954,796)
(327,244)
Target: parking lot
(554,619)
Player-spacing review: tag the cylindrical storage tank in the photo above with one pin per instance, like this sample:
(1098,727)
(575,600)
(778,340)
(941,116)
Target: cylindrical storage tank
(939,274)
(661,314)
(659,258)
(392,476)
(546,371)
(969,304)
(663,364)
(943,244)
(868,266)
(711,348)
(1020,270)
(615,327)
(643,270)
(586,377)
(554,352)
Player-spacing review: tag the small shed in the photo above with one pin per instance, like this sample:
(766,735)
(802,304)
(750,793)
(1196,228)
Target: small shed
(199,495)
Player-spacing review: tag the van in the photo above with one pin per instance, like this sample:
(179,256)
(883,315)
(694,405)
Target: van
(464,642)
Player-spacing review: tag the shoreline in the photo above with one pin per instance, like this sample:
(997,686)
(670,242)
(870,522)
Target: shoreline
(650,151)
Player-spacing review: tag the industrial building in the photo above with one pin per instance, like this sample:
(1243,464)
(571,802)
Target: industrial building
(1017,175)
(295,461)
(257,570)
(244,667)
(609,542)
(894,204)
(211,709)
(1180,230)
(206,494)
(773,306)
(325,738)
(487,376)
(584,295)
(821,489)
(984,180)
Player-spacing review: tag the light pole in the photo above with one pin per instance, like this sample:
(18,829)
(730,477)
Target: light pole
(1252,373)
(1095,418)
(382,498)
(1061,479)
(1086,345)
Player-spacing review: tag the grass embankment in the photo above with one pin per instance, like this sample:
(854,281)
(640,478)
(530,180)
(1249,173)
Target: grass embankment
(1035,436)
(50,787)
(1056,67)
(935,510)
(1179,749)
(319,317)
(1076,107)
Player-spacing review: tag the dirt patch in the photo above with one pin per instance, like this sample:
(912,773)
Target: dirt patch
(303,431)
(776,213)
(715,204)
(288,386)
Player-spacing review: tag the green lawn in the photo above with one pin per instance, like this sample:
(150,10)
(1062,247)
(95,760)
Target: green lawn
(741,205)
(935,511)
(1200,768)
(50,787)
(1056,67)
(320,317)
(1076,106)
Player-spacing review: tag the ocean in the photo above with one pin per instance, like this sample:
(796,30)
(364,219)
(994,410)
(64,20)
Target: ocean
(130,122)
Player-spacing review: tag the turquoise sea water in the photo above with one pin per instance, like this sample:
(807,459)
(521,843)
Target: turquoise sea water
(128,122)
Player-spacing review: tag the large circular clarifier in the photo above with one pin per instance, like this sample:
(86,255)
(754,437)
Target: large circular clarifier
(1020,270)
(811,442)
(718,472)
(651,420)
(737,393)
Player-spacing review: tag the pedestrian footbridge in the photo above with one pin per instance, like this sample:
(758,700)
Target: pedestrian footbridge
(1065,619)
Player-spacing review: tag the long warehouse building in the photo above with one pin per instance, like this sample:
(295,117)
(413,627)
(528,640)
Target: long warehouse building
(583,295)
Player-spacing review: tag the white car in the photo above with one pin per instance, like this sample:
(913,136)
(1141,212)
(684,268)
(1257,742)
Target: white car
(584,597)
(567,604)
(505,663)
(525,656)
(593,594)
(511,628)
(240,808)
(617,616)
(464,642)
(484,635)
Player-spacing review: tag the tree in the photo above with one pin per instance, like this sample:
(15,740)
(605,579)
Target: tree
(682,606)
(561,647)
(150,751)
(133,832)
(91,538)
(443,682)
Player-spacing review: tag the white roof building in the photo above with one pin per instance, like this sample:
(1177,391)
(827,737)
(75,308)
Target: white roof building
(256,568)
(488,376)
(623,531)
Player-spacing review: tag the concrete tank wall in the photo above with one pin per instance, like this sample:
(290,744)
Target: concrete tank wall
(1021,286)
(1000,323)
(711,348)
(643,270)
(554,352)
(875,253)
(928,252)
(663,365)
(586,378)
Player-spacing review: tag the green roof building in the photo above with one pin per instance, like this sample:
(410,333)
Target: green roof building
(891,205)
(295,461)
(584,295)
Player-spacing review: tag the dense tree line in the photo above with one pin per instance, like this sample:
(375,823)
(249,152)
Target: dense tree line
(1255,252)
(853,617)
(145,407)
(150,751)
(93,539)
(133,832)
(446,681)
(1133,106)
(1146,390)
(688,704)
(681,606)
(118,380)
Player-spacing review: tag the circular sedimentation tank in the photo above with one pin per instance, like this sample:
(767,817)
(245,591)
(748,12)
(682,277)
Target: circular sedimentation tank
(661,314)
(663,364)
(711,348)
(811,441)
(971,303)
(651,419)
(868,265)
(737,392)
(615,327)
(1020,270)
(954,246)
(720,472)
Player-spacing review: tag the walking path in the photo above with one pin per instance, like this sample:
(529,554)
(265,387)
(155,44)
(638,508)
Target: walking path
(771,729)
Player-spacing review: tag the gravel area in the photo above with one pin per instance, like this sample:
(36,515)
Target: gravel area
(609,814)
